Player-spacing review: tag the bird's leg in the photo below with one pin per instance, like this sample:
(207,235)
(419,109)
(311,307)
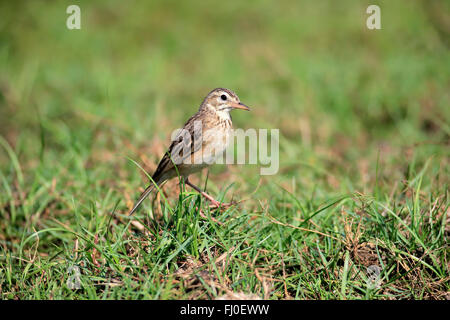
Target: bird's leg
(213,201)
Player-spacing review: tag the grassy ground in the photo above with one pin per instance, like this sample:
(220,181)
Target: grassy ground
(364,150)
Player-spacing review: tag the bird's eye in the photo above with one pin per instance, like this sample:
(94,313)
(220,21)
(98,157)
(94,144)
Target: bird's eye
(223,97)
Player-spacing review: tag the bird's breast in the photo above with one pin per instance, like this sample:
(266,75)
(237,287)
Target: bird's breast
(216,138)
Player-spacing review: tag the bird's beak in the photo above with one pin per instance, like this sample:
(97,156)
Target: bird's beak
(239,105)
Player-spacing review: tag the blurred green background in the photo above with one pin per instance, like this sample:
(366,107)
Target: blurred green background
(139,69)
(358,110)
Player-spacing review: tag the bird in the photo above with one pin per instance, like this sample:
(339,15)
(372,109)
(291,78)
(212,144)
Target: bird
(203,138)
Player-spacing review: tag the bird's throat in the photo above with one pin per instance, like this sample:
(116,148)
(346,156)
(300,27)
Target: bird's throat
(224,115)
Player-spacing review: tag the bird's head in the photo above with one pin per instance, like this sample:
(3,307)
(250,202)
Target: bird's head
(223,100)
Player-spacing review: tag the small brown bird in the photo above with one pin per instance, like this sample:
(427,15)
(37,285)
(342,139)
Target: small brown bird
(203,138)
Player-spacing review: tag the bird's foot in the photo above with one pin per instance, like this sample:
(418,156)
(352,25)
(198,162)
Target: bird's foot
(212,218)
(220,205)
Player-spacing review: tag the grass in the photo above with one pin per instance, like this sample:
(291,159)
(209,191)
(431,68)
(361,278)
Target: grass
(364,151)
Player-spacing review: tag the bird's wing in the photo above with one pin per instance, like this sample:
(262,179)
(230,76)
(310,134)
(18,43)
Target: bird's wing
(186,143)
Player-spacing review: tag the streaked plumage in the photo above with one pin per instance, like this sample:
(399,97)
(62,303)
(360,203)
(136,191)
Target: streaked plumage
(204,136)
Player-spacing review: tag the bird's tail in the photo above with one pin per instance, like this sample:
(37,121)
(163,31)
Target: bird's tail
(142,198)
